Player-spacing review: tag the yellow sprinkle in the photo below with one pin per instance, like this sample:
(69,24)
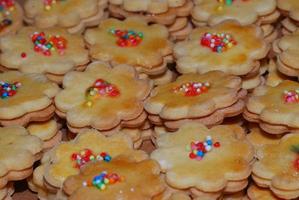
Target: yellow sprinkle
(230,45)
(219,8)
(89,103)
(12,8)
(47,7)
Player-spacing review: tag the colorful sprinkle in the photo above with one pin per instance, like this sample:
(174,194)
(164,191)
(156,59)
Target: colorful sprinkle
(23,55)
(192,88)
(291,96)
(48,45)
(197,149)
(8,89)
(6,7)
(100,88)
(295,149)
(218,42)
(104,179)
(48,4)
(127,38)
(87,155)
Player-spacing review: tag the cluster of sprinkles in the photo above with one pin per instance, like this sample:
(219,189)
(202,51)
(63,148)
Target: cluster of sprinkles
(291,96)
(48,4)
(192,88)
(103,179)
(8,89)
(198,149)
(218,42)
(226,3)
(100,88)
(127,38)
(87,155)
(47,45)
(295,149)
(6,7)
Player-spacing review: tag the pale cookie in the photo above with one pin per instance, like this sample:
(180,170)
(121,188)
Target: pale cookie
(195,96)
(274,77)
(18,152)
(53,52)
(127,180)
(11,17)
(25,98)
(245,12)
(89,146)
(146,50)
(181,156)
(48,132)
(102,97)
(286,49)
(255,192)
(291,7)
(7,191)
(274,108)
(240,49)
(149,6)
(69,14)
(277,167)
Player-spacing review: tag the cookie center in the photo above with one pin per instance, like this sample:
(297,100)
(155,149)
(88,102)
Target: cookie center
(104,179)
(198,149)
(8,89)
(291,96)
(48,44)
(100,88)
(127,38)
(48,4)
(218,42)
(87,155)
(192,88)
(6,7)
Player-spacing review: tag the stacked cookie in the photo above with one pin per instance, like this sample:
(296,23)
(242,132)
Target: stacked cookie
(289,9)
(171,13)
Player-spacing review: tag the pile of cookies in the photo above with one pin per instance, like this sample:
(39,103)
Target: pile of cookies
(149,99)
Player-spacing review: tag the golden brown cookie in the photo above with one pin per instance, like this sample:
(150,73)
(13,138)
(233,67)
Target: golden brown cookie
(126,180)
(72,15)
(53,52)
(255,192)
(274,108)
(25,98)
(192,156)
(277,167)
(207,98)
(274,76)
(103,98)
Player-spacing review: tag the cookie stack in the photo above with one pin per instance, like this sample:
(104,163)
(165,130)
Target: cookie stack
(289,10)
(262,13)
(171,13)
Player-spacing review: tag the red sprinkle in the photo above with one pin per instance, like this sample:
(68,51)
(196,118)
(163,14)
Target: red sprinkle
(23,55)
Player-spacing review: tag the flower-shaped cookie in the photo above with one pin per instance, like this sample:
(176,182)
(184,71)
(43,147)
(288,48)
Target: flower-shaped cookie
(209,160)
(132,42)
(277,167)
(227,47)
(275,108)
(195,96)
(50,51)
(257,193)
(290,6)
(150,6)
(74,15)
(246,12)
(127,181)
(25,98)
(11,17)
(89,146)
(102,97)
(287,53)
(18,152)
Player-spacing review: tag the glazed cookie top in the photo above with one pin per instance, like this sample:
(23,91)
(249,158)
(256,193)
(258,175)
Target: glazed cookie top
(34,50)
(287,49)
(17,149)
(257,193)
(62,13)
(67,158)
(290,6)
(245,12)
(11,16)
(126,180)
(227,47)
(150,6)
(279,164)
(194,95)
(132,42)
(276,105)
(101,96)
(43,130)
(24,93)
(187,162)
